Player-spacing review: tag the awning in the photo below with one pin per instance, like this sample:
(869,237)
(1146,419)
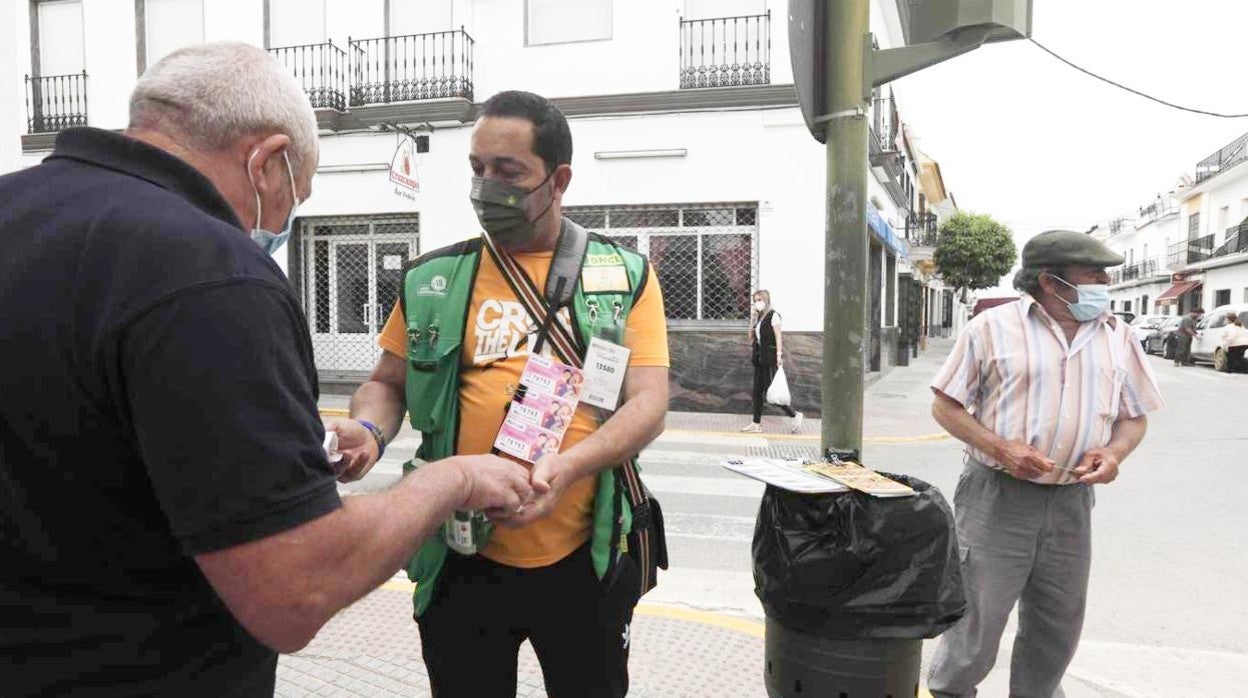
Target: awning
(884,232)
(1173,293)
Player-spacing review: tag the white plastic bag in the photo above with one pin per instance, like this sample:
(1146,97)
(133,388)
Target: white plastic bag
(778,391)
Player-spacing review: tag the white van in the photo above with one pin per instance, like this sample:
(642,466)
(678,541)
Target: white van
(1207,344)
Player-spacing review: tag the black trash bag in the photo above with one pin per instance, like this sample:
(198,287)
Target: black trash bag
(848,565)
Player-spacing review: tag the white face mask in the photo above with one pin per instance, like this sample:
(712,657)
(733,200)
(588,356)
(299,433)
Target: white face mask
(760,306)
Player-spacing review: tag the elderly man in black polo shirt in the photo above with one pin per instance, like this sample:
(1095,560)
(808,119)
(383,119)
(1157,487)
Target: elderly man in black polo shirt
(168,516)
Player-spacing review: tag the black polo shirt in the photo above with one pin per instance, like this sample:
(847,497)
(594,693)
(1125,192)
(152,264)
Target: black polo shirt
(157,401)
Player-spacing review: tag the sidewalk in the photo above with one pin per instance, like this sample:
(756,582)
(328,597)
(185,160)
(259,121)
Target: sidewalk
(373,648)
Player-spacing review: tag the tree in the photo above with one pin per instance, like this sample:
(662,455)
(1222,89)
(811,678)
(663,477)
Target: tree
(973,251)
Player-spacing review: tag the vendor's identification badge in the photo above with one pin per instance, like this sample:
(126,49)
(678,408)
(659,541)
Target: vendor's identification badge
(609,279)
(605,366)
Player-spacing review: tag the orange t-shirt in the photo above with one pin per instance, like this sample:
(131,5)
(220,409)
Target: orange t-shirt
(496,349)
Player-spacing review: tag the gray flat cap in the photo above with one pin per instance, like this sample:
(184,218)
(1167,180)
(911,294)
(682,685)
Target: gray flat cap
(1056,248)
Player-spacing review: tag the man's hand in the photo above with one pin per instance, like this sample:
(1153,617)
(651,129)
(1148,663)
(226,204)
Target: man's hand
(1022,460)
(357,446)
(492,483)
(550,479)
(1099,466)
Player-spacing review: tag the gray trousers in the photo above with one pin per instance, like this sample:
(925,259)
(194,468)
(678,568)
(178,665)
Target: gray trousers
(1023,543)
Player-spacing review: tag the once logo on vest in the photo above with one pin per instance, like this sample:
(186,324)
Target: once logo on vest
(611,259)
(435,287)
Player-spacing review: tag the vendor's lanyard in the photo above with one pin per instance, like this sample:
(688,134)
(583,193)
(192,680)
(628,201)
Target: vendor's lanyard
(566,349)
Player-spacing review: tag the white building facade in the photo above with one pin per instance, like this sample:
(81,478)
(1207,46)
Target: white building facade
(1188,248)
(1139,284)
(688,145)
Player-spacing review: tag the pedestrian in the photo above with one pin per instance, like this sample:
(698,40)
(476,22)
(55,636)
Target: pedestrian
(531,579)
(767,355)
(169,519)
(1049,395)
(1183,338)
(1234,343)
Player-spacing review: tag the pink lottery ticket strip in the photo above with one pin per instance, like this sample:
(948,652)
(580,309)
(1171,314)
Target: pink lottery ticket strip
(535,426)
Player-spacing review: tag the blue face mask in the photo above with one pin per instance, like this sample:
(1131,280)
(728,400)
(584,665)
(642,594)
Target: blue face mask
(1092,303)
(270,241)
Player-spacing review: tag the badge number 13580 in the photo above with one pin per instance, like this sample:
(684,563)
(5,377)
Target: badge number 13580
(605,365)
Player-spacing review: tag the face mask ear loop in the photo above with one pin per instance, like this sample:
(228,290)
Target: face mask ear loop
(552,195)
(251,179)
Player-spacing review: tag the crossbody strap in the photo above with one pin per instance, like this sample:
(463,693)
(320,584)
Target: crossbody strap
(561,335)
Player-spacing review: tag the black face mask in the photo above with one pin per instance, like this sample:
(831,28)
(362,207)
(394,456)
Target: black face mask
(504,209)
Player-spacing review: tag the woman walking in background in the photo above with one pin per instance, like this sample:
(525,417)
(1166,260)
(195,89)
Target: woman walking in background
(767,342)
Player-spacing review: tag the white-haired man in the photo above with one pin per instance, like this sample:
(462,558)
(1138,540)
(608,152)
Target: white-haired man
(168,518)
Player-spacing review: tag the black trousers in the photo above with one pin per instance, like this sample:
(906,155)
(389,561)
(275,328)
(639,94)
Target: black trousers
(1235,357)
(1183,350)
(763,373)
(481,612)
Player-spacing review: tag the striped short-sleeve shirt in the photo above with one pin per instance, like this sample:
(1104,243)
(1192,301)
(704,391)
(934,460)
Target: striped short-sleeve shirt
(1013,369)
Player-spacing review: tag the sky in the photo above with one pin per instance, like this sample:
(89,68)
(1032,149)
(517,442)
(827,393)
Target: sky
(1037,145)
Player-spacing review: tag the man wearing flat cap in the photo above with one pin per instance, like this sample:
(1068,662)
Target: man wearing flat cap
(1049,395)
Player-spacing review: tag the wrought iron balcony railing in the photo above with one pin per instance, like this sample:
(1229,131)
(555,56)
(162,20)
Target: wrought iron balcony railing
(412,68)
(885,123)
(56,102)
(321,70)
(1139,270)
(922,230)
(1160,208)
(725,51)
(1225,158)
(1236,241)
(1190,251)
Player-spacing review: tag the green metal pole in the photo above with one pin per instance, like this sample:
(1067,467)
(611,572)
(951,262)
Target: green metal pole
(845,248)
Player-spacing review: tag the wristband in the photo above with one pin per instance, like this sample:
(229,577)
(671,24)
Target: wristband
(380,437)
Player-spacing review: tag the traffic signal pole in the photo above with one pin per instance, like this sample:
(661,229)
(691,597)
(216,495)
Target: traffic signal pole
(845,300)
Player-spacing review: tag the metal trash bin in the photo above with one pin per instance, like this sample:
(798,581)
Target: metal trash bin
(801,666)
(850,585)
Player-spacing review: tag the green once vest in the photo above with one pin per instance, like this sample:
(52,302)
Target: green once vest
(437,296)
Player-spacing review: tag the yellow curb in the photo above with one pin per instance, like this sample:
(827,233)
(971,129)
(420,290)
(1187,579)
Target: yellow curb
(334,412)
(742,625)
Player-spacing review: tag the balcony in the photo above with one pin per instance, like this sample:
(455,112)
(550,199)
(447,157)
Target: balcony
(886,155)
(1140,270)
(322,70)
(922,230)
(1190,251)
(411,68)
(1160,208)
(885,126)
(725,51)
(1224,159)
(1236,241)
(56,102)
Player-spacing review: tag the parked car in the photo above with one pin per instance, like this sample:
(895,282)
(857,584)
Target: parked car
(1207,344)
(1145,325)
(1161,341)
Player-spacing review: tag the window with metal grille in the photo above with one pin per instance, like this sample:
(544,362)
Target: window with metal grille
(1193,226)
(350,270)
(704,255)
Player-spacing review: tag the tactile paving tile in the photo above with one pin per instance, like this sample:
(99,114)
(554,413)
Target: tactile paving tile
(373,649)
